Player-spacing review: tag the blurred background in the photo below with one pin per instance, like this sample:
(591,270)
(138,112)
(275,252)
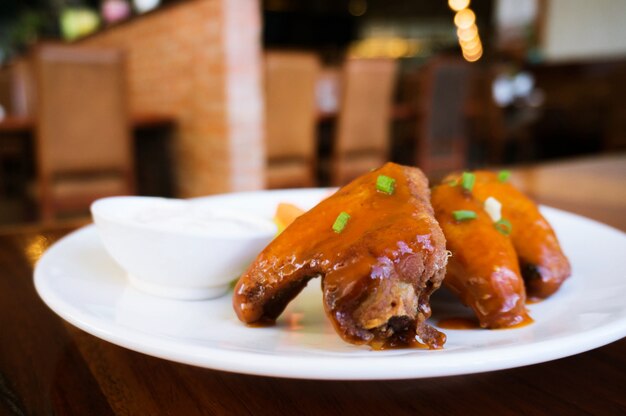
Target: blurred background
(185,98)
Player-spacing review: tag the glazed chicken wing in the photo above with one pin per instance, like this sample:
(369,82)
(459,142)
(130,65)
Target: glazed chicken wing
(543,265)
(483,270)
(378,272)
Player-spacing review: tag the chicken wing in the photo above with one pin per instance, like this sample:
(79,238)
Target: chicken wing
(483,270)
(543,265)
(378,272)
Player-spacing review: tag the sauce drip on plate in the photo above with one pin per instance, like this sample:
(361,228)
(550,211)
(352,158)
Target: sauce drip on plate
(472,323)
(458,323)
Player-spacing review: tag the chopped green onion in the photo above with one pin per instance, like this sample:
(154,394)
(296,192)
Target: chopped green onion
(453,182)
(467,181)
(463,215)
(504,226)
(385,184)
(341,221)
(504,175)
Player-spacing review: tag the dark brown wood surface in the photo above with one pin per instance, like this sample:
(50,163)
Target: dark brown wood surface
(50,367)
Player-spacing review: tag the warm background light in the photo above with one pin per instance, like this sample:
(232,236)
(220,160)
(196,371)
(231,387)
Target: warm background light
(385,47)
(471,44)
(457,5)
(474,50)
(467,33)
(464,18)
(473,58)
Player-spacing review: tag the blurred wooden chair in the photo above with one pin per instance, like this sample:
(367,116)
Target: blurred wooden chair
(83,145)
(16,91)
(441,139)
(291,118)
(23,94)
(363,129)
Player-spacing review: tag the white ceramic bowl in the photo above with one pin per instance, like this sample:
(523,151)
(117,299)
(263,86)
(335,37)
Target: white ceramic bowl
(176,248)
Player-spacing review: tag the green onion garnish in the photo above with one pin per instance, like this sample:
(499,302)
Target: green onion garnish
(467,181)
(463,215)
(385,184)
(504,226)
(341,221)
(504,175)
(453,182)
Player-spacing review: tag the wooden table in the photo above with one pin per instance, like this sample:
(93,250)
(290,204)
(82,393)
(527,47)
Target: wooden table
(593,187)
(49,367)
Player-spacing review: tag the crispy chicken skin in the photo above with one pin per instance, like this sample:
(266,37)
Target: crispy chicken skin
(543,265)
(377,274)
(483,270)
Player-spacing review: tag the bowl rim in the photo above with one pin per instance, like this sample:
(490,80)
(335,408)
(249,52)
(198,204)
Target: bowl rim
(267,228)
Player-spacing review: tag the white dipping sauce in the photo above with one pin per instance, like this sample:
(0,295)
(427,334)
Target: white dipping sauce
(189,217)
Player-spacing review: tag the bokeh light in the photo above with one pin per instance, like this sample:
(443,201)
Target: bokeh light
(473,58)
(468,33)
(457,5)
(474,50)
(471,44)
(464,18)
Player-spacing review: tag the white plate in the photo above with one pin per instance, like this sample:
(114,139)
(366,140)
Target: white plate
(82,284)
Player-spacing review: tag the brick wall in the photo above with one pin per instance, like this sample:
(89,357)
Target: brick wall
(200,61)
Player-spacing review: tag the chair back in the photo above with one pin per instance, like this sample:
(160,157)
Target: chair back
(362,139)
(83,133)
(441,134)
(291,118)
(23,89)
(16,88)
